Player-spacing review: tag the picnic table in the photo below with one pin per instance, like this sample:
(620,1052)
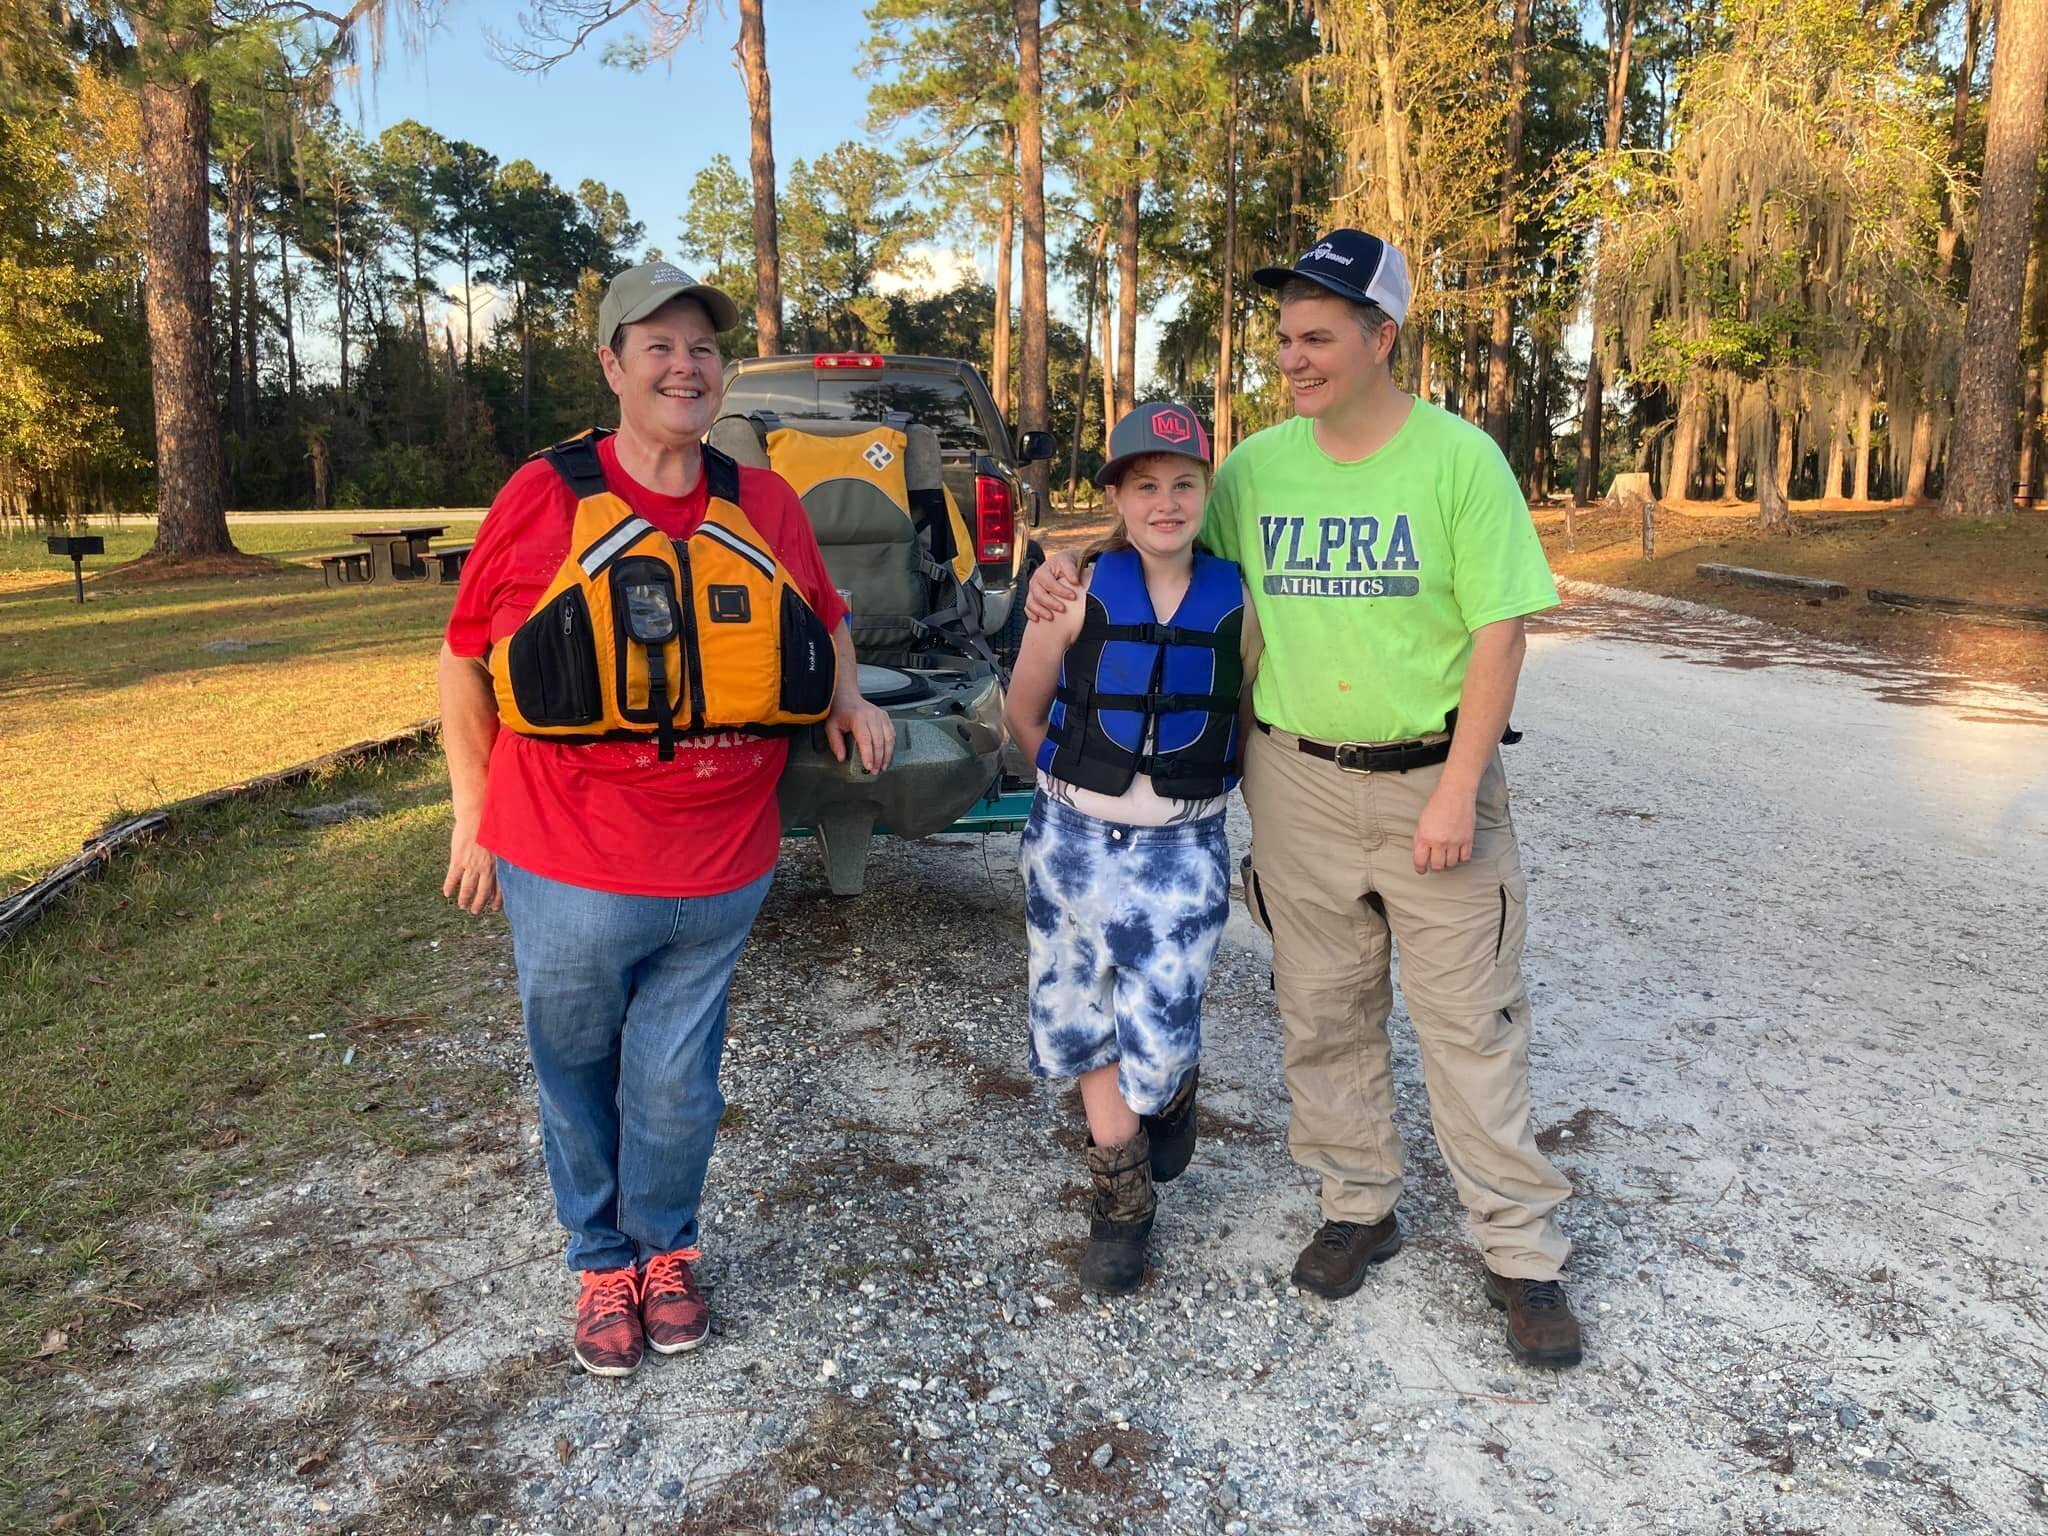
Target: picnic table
(396,554)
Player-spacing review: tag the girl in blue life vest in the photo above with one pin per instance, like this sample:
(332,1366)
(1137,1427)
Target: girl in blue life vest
(1130,702)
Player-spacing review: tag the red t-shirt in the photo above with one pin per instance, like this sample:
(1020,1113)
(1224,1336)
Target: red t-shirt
(609,815)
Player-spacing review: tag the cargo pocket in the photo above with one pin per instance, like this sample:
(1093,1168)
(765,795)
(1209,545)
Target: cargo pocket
(1514,918)
(553,664)
(1255,896)
(809,668)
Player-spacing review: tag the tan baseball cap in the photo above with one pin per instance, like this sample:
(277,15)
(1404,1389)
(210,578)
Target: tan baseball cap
(639,291)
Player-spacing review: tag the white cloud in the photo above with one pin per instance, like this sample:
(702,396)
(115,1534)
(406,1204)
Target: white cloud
(931,269)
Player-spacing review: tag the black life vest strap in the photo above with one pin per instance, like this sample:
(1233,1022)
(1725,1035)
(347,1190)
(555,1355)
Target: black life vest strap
(1166,634)
(1081,696)
(657,697)
(575,460)
(721,475)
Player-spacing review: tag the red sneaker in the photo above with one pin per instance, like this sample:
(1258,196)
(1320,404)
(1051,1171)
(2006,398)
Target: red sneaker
(671,1310)
(609,1339)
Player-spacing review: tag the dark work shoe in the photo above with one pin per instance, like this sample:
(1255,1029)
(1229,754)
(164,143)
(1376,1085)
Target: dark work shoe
(1541,1329)
(1336,1258)
(1172,1132)
(1120,1217)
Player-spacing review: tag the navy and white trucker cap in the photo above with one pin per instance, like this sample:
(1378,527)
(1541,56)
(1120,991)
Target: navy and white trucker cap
(1353,265)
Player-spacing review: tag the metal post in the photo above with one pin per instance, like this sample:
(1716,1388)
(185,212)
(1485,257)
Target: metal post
(78,576)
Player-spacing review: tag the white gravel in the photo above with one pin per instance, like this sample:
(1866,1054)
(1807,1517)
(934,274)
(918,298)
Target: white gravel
(1786,951)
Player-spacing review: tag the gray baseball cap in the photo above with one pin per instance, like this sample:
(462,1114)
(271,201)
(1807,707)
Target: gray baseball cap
(639,291)
(1163,426)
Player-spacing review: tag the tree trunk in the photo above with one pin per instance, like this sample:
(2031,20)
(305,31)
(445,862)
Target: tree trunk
(1731,474)
(1127,301)
(1959,121)
(1920,455)
(1592,406)
(1500,355)
(2030,409)
(1540,446)
(1861,479)
(1685,445)
(1771,511)
(341,286)
(252,299)
(1471,399)
(191,516)
(753,52)
(1393,126)
(1006,239)
(1035,391)
(1081,389)
(1784,454)
(419,305)
(1832,482)
(291,350)
(1981,448)
(1105,320)
(469,313)
(1223,428)
(236,279)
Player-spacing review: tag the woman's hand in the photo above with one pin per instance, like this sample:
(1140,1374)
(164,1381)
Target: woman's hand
(868,727)
(472,877)
(1054,584)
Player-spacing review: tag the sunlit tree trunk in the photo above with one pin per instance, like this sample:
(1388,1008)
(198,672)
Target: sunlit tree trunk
(1731,472)
(1035,413)
(1771,510)
(1981,448)
(1006,240)
(1226,339)
(1127,300)
(1861,479)
(753,51)
(191,514)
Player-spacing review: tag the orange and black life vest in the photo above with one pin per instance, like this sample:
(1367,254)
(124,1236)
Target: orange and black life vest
(642,635)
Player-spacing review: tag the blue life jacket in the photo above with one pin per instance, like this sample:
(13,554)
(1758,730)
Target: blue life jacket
(1127,674)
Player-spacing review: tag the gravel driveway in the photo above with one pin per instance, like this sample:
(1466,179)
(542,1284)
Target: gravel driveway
(1786,952)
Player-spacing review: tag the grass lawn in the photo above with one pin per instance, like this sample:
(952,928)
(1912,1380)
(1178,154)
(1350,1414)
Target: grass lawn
(180,1024)
(2003,560)
(117,706)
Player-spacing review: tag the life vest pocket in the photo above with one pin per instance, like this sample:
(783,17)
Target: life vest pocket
(809,668)
(648,621)
(553,664)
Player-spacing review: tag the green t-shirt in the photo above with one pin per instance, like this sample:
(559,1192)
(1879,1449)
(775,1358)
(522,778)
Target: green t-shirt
(1370,577)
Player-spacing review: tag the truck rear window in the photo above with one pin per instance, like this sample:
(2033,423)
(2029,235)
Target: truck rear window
(941,403)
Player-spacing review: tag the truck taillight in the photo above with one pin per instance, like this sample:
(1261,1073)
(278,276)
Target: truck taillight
(995,520)
(847,360)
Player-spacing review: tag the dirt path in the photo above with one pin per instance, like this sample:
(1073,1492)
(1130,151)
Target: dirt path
(1786,956)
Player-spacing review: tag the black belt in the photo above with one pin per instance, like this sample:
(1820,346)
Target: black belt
(1373,757)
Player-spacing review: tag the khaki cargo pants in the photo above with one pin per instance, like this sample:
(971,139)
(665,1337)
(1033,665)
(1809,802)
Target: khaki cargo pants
(1333,881)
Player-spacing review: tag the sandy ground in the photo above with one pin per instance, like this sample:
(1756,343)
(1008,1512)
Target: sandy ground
(1787,956)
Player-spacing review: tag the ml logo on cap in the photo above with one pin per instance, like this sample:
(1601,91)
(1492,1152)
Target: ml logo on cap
(1325,252)
(1173,427)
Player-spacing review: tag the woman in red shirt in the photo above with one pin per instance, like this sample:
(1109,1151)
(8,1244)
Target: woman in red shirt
(630,882)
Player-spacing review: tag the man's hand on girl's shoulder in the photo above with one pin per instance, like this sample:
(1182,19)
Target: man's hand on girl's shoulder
(1054,585)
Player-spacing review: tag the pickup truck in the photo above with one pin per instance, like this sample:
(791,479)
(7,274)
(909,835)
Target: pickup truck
(943,692)
(983,460)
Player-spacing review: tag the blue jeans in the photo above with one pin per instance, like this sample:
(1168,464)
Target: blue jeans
(624,998)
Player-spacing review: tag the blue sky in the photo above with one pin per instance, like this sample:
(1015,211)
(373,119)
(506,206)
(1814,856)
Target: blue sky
(646,135)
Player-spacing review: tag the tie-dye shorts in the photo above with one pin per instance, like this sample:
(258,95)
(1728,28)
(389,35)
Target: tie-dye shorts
(1123,925)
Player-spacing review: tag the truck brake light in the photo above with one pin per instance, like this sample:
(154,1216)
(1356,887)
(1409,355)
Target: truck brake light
(995,520)
(847,360)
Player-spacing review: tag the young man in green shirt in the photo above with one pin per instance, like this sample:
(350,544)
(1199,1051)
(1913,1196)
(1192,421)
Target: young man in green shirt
(1391,559)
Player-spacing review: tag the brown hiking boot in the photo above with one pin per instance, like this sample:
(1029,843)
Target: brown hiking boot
(671,1309)
(1334,1263)
(1541,1329)
(1120,1220)
(1172,1131)
(609,1341)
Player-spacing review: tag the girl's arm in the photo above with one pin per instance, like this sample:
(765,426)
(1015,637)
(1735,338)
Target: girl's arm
(1027,707)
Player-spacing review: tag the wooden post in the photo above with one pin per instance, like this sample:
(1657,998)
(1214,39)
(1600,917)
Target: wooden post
(1649,530)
